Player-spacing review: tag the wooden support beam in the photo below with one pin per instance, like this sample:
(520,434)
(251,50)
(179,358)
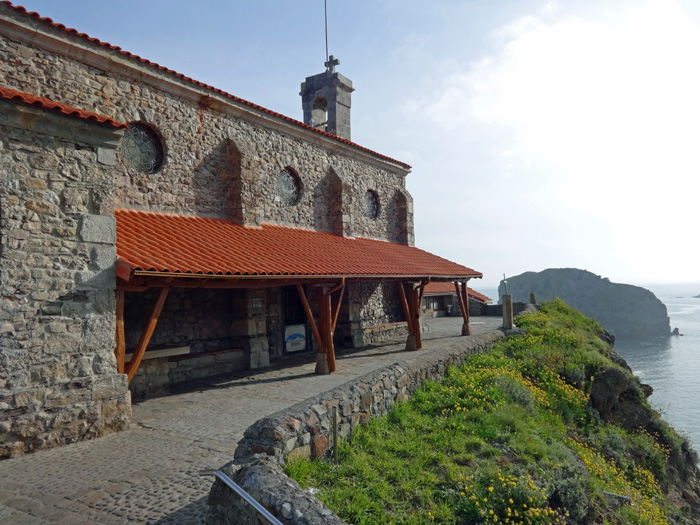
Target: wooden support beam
(120,348)
(135,361)
(131,288)
(325,318)
(418,298)
(406,309)
(338,301)
(466,327)
(310,317)
(219,282)
(460,299)
(413,339)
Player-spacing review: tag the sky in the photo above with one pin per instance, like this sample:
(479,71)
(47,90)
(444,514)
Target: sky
(542,133)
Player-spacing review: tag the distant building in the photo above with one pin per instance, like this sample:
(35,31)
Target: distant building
(155,230)
(440,300)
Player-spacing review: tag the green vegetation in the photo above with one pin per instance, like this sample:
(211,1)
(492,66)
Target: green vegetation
(507,438)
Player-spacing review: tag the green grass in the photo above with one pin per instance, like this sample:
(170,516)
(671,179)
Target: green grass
(507,438)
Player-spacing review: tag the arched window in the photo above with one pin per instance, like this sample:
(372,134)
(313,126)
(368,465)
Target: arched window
(371,204)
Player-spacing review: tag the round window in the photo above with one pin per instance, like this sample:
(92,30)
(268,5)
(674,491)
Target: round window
(288,186)
(371,204)
(142,148)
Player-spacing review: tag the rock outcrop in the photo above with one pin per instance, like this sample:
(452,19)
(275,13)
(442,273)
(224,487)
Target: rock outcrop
(623,309)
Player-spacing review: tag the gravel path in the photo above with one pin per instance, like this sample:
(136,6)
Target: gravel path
(149,473)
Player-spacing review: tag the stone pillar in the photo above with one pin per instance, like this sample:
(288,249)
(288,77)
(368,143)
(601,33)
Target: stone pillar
(507,311)
(251,327)
(533,299)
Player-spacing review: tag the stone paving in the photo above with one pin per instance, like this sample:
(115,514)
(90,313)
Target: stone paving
(150,473)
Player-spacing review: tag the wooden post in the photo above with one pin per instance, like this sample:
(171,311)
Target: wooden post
(310,317)
(328,311)
(412,308)
(120,348)
(325,321)
(507,311)
(411,340)
(406,310)
(533,299)
(466,327)
(418,292)
(133,365)
(463,298)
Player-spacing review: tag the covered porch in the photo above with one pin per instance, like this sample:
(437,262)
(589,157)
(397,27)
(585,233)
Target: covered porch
(159,253)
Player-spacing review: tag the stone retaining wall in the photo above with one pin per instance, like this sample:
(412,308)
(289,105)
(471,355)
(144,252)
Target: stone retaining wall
(305,430)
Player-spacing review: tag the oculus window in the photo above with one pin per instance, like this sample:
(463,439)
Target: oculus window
(142,148)
(288,186)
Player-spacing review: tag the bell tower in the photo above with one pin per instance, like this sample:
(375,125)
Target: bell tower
(325,99)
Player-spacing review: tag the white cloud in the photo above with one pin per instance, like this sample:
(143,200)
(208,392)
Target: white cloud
(592,122)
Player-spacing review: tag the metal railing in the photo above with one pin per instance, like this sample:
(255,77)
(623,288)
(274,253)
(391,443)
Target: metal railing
(262,511)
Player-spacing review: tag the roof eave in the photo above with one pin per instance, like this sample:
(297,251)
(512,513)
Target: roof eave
(126,268)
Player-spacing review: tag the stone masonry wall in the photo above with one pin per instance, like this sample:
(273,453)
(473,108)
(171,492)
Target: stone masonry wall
(215,164)
(202,319)
(221,158)
(212,322)
(375,308)
(305,429)
(58,380)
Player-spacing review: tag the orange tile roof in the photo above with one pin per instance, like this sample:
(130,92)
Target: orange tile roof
(445,288)
(74,32)
(158,242)
(45,103)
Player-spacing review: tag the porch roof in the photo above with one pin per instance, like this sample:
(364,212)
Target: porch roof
(448,288)
(166,245)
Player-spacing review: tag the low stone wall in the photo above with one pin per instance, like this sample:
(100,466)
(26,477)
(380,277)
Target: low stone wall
(305,429)
(155,376)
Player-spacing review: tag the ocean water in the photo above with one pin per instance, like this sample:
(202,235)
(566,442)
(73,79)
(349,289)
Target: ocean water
(672,365)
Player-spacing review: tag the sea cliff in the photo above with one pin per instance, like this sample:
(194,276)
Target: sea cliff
(622,309)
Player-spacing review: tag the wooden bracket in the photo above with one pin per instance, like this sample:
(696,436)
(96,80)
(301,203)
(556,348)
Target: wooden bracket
(328,311)
(130,369)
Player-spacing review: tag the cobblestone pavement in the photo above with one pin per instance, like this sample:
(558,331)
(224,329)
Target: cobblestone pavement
(149,473)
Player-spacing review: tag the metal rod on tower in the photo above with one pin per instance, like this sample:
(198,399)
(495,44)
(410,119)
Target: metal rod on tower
(325,14)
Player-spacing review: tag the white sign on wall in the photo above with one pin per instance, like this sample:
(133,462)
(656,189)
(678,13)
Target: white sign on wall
(295,338)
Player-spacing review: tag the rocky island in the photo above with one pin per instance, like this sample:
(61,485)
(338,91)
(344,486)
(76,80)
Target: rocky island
(622,309)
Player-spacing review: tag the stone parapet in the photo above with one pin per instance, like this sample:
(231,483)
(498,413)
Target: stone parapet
(306,429)
(262,477)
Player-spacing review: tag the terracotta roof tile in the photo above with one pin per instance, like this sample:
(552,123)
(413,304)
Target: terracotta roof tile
(45,103)
(161,242)
(74,32)
(445,288)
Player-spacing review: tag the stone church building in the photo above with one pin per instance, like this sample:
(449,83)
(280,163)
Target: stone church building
(155,230)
